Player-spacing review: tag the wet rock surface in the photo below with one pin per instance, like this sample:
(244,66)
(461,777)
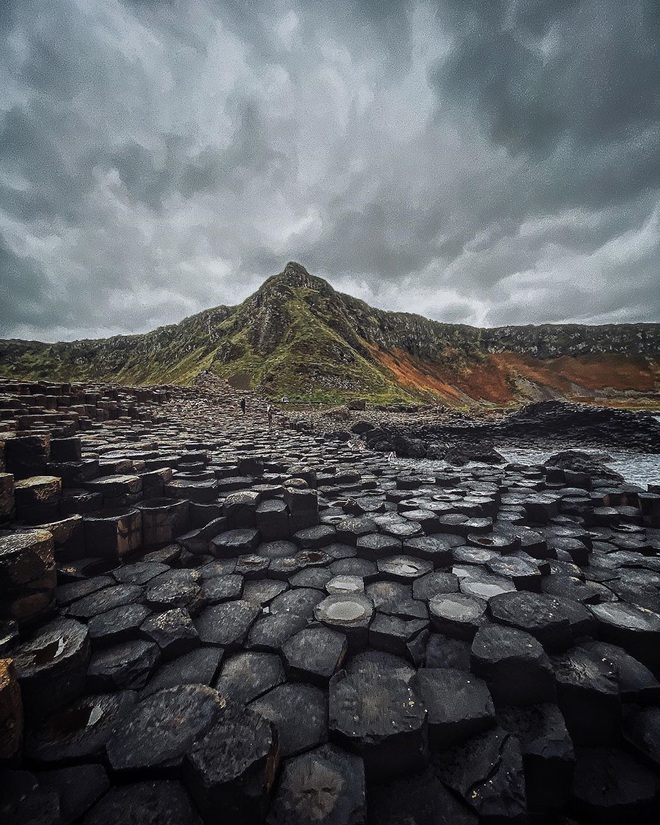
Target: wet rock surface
(268,625)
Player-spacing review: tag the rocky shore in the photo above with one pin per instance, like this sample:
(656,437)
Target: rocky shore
(445,434)
(207,619)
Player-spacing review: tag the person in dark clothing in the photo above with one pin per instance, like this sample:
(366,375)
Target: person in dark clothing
(242,405)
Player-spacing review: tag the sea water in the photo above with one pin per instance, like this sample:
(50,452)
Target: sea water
(636,468)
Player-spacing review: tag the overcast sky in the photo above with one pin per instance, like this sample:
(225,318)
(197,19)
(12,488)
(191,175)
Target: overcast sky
(479,161)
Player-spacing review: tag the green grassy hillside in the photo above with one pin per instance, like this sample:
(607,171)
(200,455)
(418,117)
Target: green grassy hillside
(297,337)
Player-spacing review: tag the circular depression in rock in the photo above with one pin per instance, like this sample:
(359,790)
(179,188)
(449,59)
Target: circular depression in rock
(345,611)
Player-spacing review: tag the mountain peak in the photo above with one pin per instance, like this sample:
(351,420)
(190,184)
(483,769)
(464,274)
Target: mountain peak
(295,275)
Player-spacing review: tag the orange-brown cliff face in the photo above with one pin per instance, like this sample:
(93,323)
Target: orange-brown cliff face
(298,337)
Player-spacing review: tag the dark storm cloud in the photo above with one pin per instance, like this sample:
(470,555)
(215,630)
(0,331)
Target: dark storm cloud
(476,162)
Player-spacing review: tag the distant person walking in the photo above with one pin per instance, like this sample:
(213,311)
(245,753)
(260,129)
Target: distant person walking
(269,413)
(242,405)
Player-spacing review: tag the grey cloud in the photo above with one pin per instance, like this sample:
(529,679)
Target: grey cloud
(476,162)
(33,303)
(573,85)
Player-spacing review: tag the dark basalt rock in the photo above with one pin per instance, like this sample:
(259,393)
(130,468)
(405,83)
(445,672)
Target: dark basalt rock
(403,568)
(458,704)
(487,773)
(378,716)
(27,575)
(247,675)
(434,584)
(417,800)
(316,577)
(313,538)
(146,803)
(374,546)
(588,697)
(80,731)
(350,614)
(457,615)
(436,549)
(51,667)
(299,600)
(642,731)
(314,654)
(107,599)
(395,599)
(227,624)
(463,453)
(173,632)
(197,667)
(364,585)
(72,591)
(547,752)
(122,624)
(78,787)
(125,666)
(24,800)
(252,566)
(222,589)
(270,632)
(263,591)
(524,575)
(363,568)
(479,584)
(535,613)
(636,682)
(160,729)
(299,713)
(170,593)
(498,652)
(610,786)
(141,572)
(233,767)
(234,543)
(400,636)
(635,629)
(325,786)
(374,663)
(444,652)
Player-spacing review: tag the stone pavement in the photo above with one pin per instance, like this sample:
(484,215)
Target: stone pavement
(207,620)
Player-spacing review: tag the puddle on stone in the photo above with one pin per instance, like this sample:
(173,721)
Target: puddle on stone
(49,653)
(345,611)
(486,590)
(345,584)
(95,715)
(461,611)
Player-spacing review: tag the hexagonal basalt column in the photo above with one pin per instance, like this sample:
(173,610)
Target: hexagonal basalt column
(6,496)
(163,519)
(11,711)
(52,667)
(38,498)
(233,768)
(323,785)
(378,716)
(351,613)
(27,575)
(27,455)
(113,533)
